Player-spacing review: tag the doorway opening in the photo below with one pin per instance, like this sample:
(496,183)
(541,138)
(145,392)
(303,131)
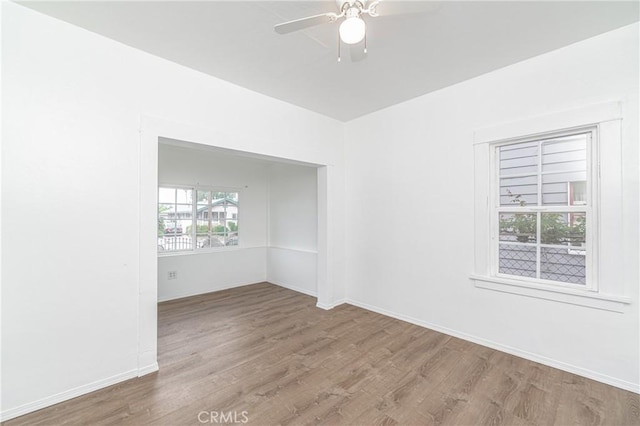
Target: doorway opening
(280,223)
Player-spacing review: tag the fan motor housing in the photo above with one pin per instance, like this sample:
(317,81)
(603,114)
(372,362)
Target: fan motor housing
(348,4)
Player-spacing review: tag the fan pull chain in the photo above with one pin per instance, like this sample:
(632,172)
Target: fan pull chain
(365,42)
(339,47)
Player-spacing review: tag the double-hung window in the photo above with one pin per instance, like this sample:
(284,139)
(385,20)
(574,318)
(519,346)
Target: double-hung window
(543,208)
(548,207)
(193,219)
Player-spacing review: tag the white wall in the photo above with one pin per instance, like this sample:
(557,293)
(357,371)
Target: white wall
(71,144)
(211,271)
(293,216)
(418,157)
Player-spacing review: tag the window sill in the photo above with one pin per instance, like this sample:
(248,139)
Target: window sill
(564,295)
(204,251)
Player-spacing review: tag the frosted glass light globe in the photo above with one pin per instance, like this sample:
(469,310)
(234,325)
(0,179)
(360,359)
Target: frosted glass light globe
(352,30)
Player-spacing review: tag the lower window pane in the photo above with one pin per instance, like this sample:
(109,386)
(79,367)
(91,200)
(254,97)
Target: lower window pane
(519,260)
(174,242)
(208,241)
(564,265)
(520,227)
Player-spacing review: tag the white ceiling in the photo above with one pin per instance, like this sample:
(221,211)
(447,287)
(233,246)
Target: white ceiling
(409,55)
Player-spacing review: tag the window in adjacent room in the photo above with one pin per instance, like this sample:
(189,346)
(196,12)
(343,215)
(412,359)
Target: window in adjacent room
(191,219)
(217,223)
(543,219)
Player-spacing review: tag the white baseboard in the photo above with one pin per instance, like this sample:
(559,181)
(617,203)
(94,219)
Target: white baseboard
(204,291)
(328,306)
(294,288)
(589,374)
(151,368)
(66,395)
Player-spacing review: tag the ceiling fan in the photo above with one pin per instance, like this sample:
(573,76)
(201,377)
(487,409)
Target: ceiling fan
(353,29)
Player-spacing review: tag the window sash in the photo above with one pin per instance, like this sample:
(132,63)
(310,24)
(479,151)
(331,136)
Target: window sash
(587,209)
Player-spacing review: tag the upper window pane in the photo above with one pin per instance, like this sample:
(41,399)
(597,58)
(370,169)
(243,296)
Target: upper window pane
(167,195)
(564,189)
(519,191)
(519,174)
(565,154)
(549,172)
(184,195)
(520,158)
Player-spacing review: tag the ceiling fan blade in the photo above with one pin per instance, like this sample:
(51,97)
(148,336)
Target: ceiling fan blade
(357,52)
(400,7)
(300,24)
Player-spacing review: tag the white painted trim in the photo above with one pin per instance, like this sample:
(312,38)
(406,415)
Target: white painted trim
(69,394)
(579,117)
(208,251)
(591,299)
(294,288)
(329,306)
(622,384)
(294,249)
(151,368)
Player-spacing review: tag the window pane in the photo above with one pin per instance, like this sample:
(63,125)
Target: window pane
(166,210)
(518,158)
(203,227)
(563,229)
(577,229)
(558,264)
(184,211)
(554,228)
(172,242)
(184,196)
(565,154)
(519,191)
(220,231)
(208,241)
(555,194)
(578,193)
(519,260)
(204,197)
(166,195)
(518,227)
(562,189)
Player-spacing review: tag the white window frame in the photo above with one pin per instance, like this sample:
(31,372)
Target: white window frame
(194,220)
(606,288)
(590,209)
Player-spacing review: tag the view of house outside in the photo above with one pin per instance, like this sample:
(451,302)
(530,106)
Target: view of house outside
(194,219)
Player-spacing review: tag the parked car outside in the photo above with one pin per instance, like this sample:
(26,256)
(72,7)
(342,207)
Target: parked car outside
(173,228)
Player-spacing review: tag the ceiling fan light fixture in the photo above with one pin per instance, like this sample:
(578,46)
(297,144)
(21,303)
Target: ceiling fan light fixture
(352,30)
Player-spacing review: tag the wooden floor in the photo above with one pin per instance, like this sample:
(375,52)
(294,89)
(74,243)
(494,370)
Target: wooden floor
(267,355)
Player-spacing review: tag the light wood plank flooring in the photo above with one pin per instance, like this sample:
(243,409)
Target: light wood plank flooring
(270,353)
